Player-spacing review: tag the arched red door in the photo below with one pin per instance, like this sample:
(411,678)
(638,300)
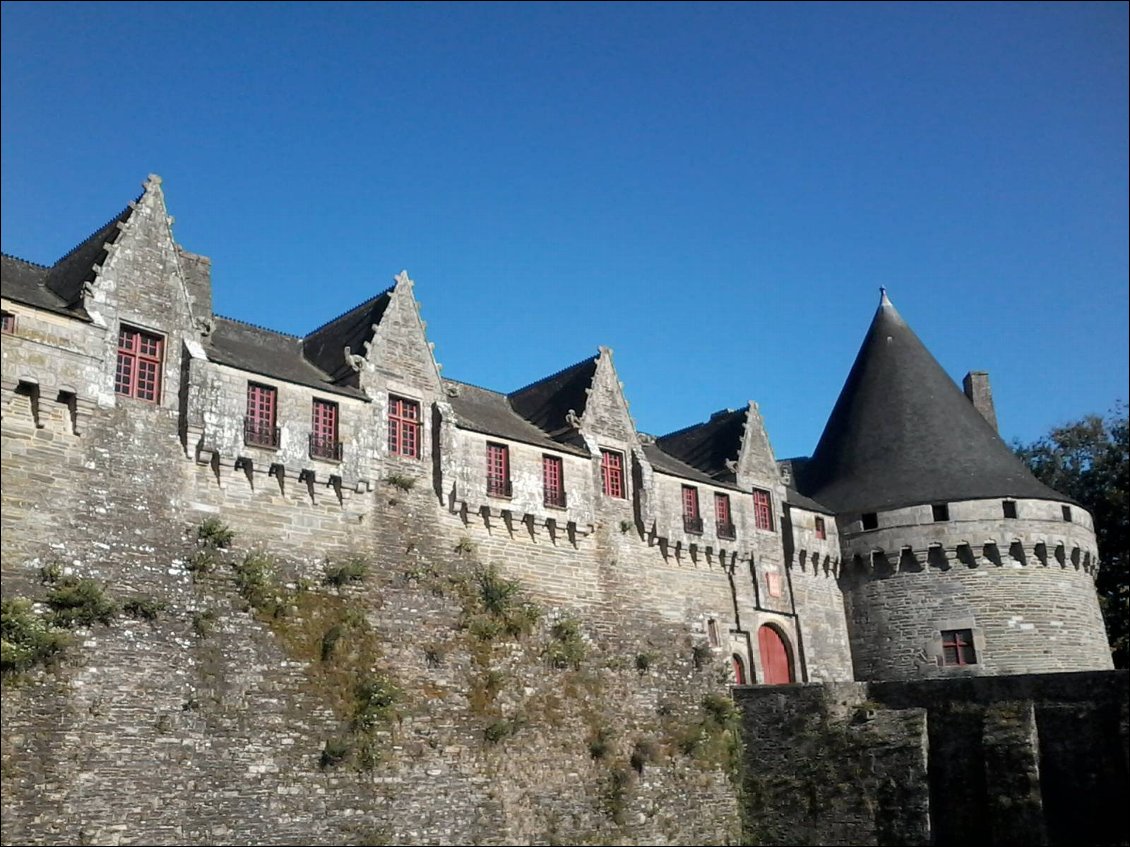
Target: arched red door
(739,669)
(776,665)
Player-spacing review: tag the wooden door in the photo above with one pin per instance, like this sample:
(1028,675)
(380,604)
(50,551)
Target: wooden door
(776,665)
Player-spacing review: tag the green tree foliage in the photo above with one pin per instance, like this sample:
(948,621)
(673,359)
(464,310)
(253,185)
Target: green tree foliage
(1087,461)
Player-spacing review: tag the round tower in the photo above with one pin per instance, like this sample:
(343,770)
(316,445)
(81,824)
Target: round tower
(956,560)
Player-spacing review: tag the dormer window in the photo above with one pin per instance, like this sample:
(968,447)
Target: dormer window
(138,372)
(762,509)
(612,474)
(403,427)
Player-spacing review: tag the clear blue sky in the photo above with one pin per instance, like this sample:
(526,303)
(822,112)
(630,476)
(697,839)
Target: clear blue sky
(716,191)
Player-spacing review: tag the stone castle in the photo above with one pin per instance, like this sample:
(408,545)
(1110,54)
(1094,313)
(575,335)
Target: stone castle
(911,547)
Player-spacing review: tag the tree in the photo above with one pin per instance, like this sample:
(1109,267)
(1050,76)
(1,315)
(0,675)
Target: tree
(1087,461)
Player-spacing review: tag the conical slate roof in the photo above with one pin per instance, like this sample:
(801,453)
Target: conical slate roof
(903,433)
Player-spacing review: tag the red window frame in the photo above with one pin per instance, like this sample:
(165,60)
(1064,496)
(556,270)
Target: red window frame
(773,584)
(957,648)
(324,443)
(762,509)
(259,429)
(138,370)
(553,481)
(723,516)
(821,530)
(612,473)
(692,521)
(498,470)
(403,427)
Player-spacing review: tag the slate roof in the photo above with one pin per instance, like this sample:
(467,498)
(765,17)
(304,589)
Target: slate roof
(664,463)
(490,412)
(325,346)
(67,275)
(546,402)
(795,498)
(26,282)
(270,354)
(903,433)
(708,446)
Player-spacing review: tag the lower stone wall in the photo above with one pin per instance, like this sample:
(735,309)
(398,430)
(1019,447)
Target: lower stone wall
(237,718)
(1036,759)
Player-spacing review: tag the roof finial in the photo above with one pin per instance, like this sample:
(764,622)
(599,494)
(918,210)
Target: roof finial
(883,299)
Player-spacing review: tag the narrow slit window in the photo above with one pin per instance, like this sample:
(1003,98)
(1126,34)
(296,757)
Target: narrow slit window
(821,530)
(1066,513)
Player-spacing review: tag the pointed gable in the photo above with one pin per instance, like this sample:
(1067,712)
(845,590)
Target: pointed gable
(555,403)
(331,345)
(606,409)
(902,433)
(68,276)
(399,347)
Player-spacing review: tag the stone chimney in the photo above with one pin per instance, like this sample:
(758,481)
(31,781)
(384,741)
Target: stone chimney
(976,385)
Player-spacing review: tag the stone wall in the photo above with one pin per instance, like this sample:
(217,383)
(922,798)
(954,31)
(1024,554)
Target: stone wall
(1039,759)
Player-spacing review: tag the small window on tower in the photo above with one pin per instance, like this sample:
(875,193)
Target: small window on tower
(1009,507)
(821,531)
(941,512)
(870,520)
(1066,513)
(957,648)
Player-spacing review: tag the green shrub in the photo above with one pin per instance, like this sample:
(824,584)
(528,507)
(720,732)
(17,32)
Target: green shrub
(404,483)
(80,602)
(214,534)
(465,546)
(643,751)
(335,751)
(354,570)
(143,608)
(701,655)
(256,581)
(643,662)
(202,622)
(600,742)
(616,793)
(566,648)
(50,573)
(26,638)
(201,562)
(499,730)
(493,606)
(375,699)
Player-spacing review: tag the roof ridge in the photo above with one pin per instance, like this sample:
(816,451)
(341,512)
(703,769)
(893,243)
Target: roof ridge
(115,218)
(554,375)
(711,419)
(25,261)
(473,385)
(348,311)
(259,327)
